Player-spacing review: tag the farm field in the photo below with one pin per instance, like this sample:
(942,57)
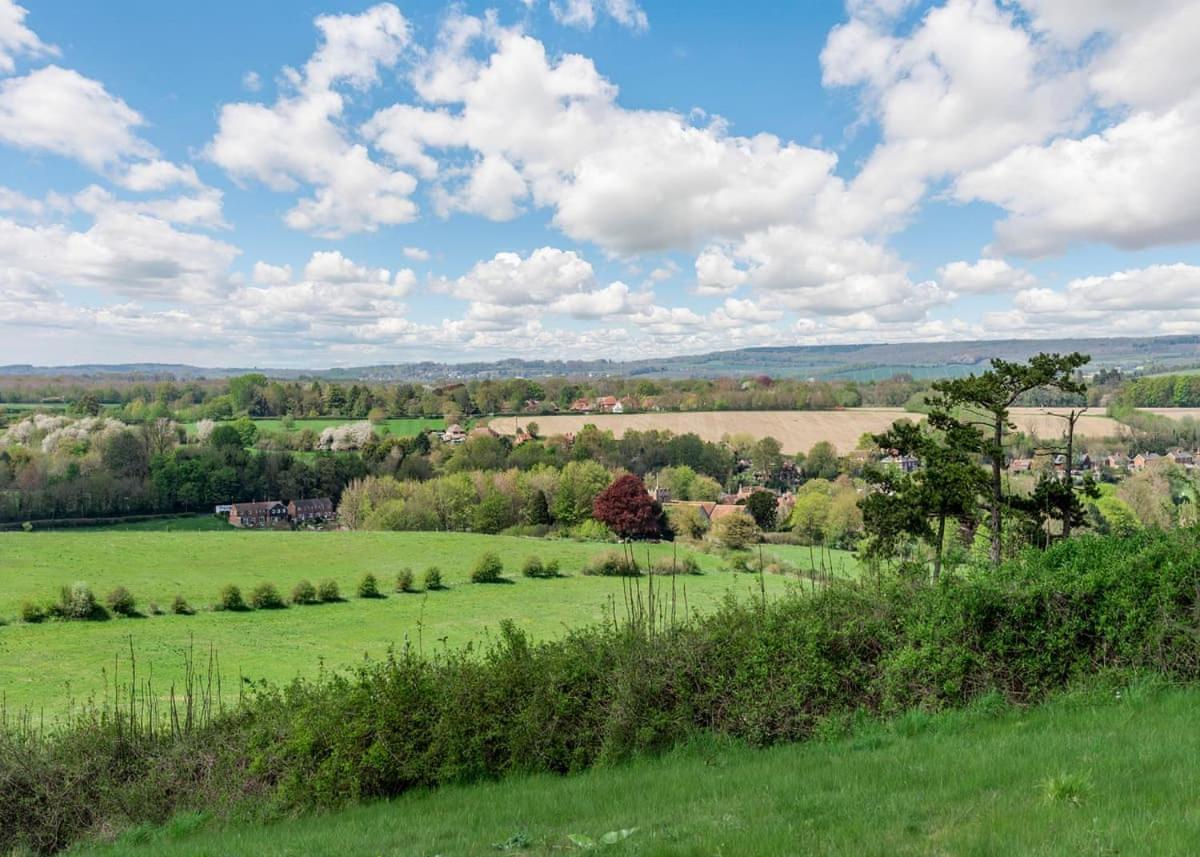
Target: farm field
(1174,413)
(797,431)
(1083,775)
(46,665)
(396,428)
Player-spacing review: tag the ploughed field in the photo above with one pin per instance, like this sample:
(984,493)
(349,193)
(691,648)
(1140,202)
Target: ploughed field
(45,666)
(1095,773)
(797,431)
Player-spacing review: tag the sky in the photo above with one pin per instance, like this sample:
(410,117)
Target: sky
(314,184)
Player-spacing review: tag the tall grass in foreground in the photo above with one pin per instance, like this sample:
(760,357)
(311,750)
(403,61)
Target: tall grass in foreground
(761,672)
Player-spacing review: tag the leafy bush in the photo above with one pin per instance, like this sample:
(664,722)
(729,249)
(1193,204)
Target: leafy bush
(433,578)
(404,580)
(327,591)
(304,593)
(32,613)
(534,567)
(786,670)
(154,610)
(368,586)
(266,597)
(488,569)
(180,607)
(611,564)
(684,565)
(591,530)
(121,602)
(77,602)
(230,598)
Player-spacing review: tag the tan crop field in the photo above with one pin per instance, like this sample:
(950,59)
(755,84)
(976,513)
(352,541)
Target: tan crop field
(1174,413)
(797,431)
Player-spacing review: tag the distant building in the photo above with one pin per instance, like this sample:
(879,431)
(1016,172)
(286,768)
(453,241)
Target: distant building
(268,513)
(307,511)
(606,404)
(1181,457)
(581,406)
(903,463)
(1020,465)
(1144,459)
(223,509)
(454,434)
(1117,461)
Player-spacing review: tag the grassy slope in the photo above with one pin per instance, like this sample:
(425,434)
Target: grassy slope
(1079,776)
(46,665)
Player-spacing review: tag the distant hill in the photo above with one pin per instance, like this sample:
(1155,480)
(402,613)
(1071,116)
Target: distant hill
(826,362)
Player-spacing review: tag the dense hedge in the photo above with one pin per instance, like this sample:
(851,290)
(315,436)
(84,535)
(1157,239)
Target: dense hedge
(760,673)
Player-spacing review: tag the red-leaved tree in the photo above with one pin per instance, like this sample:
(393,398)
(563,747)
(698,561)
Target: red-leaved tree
(628,510)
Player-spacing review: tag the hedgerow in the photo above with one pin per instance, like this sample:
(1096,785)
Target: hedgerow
(759,672)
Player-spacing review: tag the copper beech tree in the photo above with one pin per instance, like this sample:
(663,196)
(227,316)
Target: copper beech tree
(627,509)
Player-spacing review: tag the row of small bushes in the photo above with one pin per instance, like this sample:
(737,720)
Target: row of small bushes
(762,673)
(78,601)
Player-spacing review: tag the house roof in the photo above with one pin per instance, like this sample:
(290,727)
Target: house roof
(313,504)
(255,508)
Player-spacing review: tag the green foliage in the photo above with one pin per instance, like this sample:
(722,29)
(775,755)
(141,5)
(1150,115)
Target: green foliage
(121,602)
(404,580)
(487,569)
(77,602)
(433,578)
(304,593)
(535,568)
(735,531)
(265,596)
(368,586)
(327,591)
(756,673)
(180,607)
(669,567)
(230,598)
(611,564)
(32,612)
(762,507)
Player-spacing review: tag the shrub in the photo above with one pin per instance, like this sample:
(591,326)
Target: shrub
(230,598)
(304,593)
(77,602)
(368,586)
(32,613)
(266,597)
(121,602)
(534,567)
(404,580)
(591,530)
(683,565)
(611,564)
(180,607)
(327,591)
(433,578)
(154,610)
(488,569)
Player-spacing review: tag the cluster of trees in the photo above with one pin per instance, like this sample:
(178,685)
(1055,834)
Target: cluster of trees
(480,501)
(1162,391)
(97,467)
(963,449)
(137,399)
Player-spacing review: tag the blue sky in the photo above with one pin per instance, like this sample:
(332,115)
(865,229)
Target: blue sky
(317,184)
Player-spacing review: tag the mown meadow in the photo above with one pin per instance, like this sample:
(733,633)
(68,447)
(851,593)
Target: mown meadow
(1089,773)
(46,666)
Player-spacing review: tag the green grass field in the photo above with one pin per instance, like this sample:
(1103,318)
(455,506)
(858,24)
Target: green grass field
(1093,774)
(188,524)
(396,428)
(47,665)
